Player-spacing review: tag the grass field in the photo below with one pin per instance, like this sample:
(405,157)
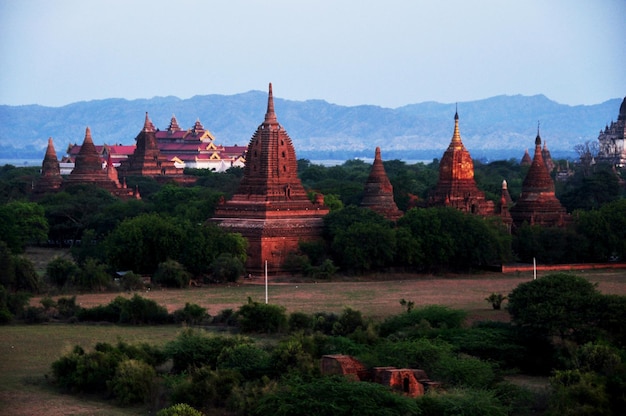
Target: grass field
(28,351)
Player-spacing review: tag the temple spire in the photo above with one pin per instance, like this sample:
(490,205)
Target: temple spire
(147,125)
(88,138)
(456,136)
(270,115)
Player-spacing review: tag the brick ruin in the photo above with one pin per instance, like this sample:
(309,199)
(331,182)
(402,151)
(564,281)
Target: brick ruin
(407,381)
(271,209)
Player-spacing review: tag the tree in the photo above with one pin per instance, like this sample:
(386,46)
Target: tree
(226,267)
(171,273)
(59,271)
(558,304)
(22,223)
(362,247)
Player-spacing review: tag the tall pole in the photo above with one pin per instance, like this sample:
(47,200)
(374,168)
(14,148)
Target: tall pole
(534,269)
(265,281)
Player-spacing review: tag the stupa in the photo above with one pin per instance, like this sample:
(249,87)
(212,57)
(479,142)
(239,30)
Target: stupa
(456,186)
(538,204)
(271,208)
(147,160)
(50,179)
(89,169)
(378,194)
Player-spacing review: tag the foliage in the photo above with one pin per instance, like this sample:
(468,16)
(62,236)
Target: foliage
(60,271)
(171,273)
(422,320)
(605,231)
(349,321)
(466,402)
(579,393)
(463,371)
(549,245)
(179,409)
(131,281)
(300,321)
(92,276)
(262,317)
(206,388)
(194,349)
(248,360)
(495,300)
(558,304)
(334,396)
(12,304)
(191,314)
(226,267)
(133,382)
(135,311)
(590,191)
(22,223)
(26,277)
(291,356)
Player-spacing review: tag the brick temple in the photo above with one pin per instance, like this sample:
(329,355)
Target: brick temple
(89,169)
(50,179)
(147,159)
(538,204)
(456,186)
(271,208)
(378,193)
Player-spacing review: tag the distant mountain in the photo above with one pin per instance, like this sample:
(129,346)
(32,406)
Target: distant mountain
(503,125)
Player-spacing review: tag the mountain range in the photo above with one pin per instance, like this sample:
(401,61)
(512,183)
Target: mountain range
(499,127)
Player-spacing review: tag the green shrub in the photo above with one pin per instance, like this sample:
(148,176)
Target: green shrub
(108,313)
(139,310)
(194,349)
(171,273)
(93,275)
(289,357)
(262,317)
(462,371)
(133,382)
(205,388)
(464,402)
(26,277)
(59,271)
(67,307)
(89,373)
(300,321)
(225,317)
(250,361)
(191,314)
(423,320)
(349,321)
(34,315)
(334,396)
(131,281)
(419,353)
(324,322)
(179,409)
(226,268)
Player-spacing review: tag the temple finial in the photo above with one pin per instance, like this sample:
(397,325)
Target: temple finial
(270,115)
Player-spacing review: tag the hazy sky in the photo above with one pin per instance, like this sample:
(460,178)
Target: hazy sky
(383,52)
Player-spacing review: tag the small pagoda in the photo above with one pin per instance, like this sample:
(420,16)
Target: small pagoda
(538,204)
(147,160)
(378,194)
(456,186)
(271,208)
(89,169)
(50,179)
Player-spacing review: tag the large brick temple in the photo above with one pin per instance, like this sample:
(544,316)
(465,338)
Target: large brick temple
(271,208)
(456,186)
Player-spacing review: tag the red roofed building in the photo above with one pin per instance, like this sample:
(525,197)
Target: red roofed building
(378,194)
(271,208)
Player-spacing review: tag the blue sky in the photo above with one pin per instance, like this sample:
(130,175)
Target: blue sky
(349,52)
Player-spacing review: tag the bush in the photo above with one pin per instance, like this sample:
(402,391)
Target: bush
(89,373)
(225,317)
(324,322)
(171,273)
(26,277)
(300,321)
(349,321)
(334,396)
(250,361)
(226,268)
(133,382)
(194,349)
(131,281)
(138,311)
(67,307)
(463,371)
(462,402)
(179,409)
(423,319)
(205,388)
(60,271)
(191,314)
(262,317)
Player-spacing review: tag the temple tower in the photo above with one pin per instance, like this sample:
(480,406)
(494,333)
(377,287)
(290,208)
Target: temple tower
(456,186)
(613,140)
(271,208)
(147,160)
(89,169)
(538,204)
(378,195)
(50,179)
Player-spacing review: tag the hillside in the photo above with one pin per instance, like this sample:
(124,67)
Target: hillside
(501,125)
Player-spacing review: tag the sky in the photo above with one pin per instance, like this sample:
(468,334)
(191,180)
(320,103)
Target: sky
(348,52)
